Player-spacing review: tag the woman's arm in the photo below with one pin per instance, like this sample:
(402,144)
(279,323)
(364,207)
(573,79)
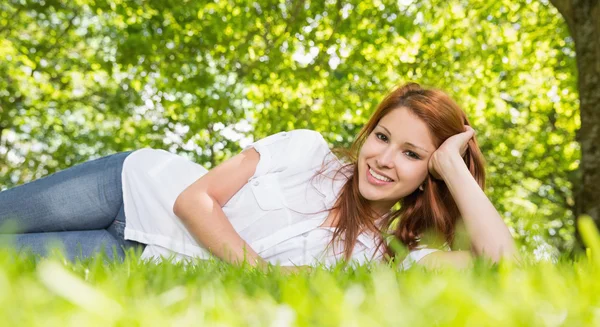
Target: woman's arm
(489,234)
(199,207)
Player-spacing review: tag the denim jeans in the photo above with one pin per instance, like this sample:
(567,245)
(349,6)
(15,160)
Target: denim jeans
(80,207)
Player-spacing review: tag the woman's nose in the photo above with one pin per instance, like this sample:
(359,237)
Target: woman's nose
(386,158)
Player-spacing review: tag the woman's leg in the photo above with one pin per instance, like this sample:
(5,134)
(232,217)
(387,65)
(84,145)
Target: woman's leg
(76,244)
(87,196)
(117,230)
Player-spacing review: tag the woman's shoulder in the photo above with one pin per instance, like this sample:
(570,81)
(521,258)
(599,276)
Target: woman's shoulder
(305,132)
(148,155)
(306,136)
(293,140)
(302,134)
(311,138)
(310,147)
(298,145)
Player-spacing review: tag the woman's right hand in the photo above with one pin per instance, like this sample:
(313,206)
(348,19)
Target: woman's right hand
(286,270)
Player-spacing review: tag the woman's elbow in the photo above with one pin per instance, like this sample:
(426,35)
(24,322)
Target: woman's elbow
(186,204)
(505,252)
(180,204)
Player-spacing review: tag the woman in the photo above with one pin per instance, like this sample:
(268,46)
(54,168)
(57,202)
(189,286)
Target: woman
(285,199)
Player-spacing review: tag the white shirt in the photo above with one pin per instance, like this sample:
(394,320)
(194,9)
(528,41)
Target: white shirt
(278,212)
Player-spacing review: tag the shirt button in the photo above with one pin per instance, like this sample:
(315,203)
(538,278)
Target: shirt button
(284,134)
(256,183)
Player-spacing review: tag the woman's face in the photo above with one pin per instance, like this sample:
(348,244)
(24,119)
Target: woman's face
(392,163)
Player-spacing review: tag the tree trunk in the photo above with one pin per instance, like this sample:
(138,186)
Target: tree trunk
(583,19)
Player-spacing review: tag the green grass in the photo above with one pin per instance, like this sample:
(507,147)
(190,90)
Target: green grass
(99,293)
(93,292)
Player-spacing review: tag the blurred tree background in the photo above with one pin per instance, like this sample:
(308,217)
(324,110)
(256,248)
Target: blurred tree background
(83,79)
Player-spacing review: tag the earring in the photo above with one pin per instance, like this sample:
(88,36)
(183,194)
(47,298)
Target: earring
(421,187)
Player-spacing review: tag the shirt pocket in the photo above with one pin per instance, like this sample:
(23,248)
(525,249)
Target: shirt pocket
(267,192)
(303,194)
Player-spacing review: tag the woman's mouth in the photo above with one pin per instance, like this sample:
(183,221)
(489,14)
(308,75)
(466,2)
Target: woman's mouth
(374,178)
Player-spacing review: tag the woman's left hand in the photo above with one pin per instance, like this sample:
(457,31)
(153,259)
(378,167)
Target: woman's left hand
(455,145)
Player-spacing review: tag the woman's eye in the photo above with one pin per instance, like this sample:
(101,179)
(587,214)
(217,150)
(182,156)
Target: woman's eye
(413,155)
(381,136)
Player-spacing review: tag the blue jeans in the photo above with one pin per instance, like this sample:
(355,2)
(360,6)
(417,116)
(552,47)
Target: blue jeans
(80,207)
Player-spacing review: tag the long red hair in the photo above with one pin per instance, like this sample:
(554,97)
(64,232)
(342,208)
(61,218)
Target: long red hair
(430,210)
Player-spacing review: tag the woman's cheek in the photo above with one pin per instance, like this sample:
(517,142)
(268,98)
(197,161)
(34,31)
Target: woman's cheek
(414,171)
(369,148)
(423,170)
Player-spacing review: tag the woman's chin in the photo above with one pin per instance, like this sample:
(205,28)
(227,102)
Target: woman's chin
(370,194)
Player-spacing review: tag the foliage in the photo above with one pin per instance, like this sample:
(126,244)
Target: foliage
(87,78)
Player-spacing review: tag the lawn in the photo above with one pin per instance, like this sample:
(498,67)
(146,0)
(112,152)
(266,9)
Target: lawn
(97,292)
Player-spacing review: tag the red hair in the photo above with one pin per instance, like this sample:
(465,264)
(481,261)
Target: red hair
(430,210)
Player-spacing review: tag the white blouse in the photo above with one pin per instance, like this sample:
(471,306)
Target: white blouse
(278,212)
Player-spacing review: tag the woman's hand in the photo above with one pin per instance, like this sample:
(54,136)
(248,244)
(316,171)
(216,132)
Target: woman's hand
(286,270)
(489,234)
(455,145)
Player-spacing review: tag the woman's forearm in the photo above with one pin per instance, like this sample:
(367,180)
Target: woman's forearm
(489,234)
(205,220)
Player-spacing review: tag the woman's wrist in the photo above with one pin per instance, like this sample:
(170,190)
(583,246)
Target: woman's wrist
(452,166)
(260,263)
(248,256)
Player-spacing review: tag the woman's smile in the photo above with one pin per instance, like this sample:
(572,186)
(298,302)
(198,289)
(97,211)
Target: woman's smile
(377,179)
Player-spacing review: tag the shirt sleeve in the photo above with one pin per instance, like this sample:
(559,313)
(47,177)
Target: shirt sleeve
(415,255)
(297,148)
(421,251)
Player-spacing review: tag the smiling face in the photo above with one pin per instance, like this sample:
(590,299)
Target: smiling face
(392,162)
